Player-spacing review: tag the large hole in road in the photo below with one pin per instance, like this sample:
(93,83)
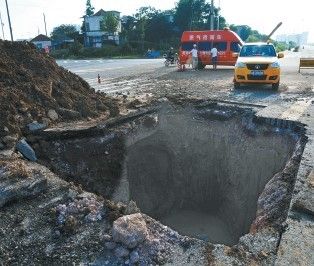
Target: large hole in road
(199,171)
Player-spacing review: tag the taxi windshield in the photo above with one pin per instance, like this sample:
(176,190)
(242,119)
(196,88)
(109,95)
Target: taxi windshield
(258,50)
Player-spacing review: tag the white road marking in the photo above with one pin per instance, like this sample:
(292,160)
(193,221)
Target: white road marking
(110,86)
(97,69)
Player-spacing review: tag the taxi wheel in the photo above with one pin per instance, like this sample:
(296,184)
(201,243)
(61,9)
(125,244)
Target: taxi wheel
(275,86)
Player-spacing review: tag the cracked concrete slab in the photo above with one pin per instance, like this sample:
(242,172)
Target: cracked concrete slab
(297,244)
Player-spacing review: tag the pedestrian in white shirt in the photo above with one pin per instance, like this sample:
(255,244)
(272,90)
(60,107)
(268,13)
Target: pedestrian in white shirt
(214,54)
(194,57)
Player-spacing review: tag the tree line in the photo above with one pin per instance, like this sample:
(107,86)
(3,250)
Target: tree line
(150,28)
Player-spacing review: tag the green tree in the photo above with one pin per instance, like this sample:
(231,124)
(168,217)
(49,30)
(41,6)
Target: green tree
(244,31)
(280,46)
(253,38)
(143,15)
(292,45)
(110,23)
(191,14)
(159,29)
(146,12)
(222,23)
(257,36)
(221,20)
(89,11)
(247,34)
(128,27)
(75,48)
(65,30)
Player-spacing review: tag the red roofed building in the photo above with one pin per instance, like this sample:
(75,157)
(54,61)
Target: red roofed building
(42,42)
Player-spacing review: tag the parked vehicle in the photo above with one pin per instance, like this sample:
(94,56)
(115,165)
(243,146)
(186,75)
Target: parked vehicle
(257,63)
(226,41)
(152,54)
(171,61)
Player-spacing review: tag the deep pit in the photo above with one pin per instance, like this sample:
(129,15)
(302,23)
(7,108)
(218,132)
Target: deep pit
(199,171)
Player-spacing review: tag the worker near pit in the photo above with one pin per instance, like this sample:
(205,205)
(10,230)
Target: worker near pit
(194,53)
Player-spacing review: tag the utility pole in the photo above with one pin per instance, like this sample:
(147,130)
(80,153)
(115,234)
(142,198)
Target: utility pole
(9,20)
(2,25)
(45,24)
(192,15)
(85,31)
(218,22)
(212,15)
(218,15)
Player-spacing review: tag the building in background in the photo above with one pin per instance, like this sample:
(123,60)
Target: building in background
(62,42)
(42,42)
(299,39)
(94,35)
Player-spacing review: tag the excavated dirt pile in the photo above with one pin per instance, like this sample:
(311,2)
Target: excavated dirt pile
(34,88)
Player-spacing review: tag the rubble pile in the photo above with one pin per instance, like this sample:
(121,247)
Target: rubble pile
(35,91)
(84,209)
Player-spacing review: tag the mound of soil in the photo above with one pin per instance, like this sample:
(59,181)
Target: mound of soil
(31,84)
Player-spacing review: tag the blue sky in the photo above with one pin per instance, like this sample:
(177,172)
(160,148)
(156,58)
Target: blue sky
(27,15)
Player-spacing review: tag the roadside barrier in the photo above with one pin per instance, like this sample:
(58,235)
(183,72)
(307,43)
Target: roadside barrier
(306,63)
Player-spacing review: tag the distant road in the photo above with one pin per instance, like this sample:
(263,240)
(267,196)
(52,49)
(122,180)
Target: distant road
(290,63)
(116,68)
(110,68)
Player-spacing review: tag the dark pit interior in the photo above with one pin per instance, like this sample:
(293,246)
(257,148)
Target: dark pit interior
(197,171)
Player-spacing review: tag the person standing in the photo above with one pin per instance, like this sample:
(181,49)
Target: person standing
(214,54)
(194,54)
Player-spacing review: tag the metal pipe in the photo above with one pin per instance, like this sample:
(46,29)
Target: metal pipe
(273,31)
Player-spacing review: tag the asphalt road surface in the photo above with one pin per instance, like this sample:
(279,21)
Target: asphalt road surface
(138,77)
(114,68)
(110,68)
